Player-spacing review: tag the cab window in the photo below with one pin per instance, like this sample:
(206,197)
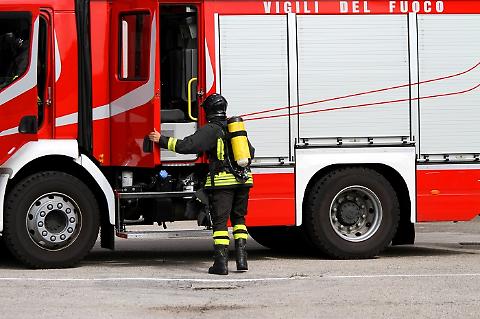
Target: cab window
(134,46)
(15,30)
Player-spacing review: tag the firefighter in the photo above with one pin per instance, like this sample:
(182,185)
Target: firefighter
(228,192)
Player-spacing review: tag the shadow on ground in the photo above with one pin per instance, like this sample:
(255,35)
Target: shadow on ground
(196,254)
(426,251)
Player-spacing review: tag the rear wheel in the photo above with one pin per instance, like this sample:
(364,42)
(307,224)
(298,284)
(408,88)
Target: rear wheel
(352,212)
(51,220)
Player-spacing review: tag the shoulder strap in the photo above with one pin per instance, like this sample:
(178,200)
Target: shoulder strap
(215,155)
(222,127)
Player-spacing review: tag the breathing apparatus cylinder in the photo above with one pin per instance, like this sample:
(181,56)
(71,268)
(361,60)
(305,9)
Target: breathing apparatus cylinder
(239,141)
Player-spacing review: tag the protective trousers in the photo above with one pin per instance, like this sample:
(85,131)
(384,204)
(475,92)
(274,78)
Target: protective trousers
(225,203)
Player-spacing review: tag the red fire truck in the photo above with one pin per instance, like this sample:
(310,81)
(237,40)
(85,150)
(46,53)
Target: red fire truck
(364,115)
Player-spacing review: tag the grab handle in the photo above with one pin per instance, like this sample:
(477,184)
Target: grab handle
(190,99)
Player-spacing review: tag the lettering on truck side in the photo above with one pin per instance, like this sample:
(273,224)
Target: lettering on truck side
(353,7)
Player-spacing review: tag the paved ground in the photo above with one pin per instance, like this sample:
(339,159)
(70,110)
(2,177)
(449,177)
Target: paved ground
(439,277)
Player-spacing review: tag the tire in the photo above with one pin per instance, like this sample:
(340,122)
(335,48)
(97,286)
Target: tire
(351,213)
(281,239)
(51,220)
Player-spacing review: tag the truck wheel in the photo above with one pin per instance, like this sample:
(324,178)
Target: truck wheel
(51,220)
(351,213)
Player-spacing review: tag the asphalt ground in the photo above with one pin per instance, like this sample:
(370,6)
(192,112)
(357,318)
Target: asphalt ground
(438,277)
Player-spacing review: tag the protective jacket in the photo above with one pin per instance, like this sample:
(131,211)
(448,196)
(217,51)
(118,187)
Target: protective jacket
(211,139)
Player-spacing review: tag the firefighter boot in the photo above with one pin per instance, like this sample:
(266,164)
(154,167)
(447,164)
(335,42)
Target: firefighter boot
(220,264)
(241,254)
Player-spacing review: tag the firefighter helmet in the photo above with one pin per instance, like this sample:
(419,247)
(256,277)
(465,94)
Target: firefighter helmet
(215,107)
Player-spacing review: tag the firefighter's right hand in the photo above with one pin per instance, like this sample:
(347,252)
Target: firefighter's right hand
(154,136)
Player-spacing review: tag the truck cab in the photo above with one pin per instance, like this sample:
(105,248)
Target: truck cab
(82,83)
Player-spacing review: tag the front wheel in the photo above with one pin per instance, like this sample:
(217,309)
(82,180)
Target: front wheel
(51,220)
(352,212)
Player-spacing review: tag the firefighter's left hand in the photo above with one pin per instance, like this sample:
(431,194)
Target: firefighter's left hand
(154,136)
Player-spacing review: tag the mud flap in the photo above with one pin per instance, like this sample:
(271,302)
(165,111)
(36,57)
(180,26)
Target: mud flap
(107,236)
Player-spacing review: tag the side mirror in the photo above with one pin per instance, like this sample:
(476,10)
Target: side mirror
(147,145)
(28,125)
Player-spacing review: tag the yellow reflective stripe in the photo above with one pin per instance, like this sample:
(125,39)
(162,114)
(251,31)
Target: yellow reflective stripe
(226,184)
(209,184)
(172,142)
(240,236)
(239,227)
(226,179)
(223,174)
(220,233)
(220,149)
(231,181)
(221,242)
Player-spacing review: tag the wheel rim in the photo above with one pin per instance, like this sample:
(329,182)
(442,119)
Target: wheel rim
(356,213)
(54,221)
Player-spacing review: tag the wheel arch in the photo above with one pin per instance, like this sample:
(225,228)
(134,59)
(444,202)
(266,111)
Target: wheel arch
(396,164)
(63,164)
(405,233)
(66,160)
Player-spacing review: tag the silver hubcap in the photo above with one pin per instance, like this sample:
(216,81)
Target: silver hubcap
(53,221)
(356,213)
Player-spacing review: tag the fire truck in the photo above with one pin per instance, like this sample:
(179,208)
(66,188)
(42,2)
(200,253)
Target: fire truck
(364,116)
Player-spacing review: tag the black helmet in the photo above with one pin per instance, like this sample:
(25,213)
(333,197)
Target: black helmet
(215,107)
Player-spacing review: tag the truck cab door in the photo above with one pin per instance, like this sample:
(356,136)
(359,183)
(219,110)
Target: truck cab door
(19,108)
(134,91)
